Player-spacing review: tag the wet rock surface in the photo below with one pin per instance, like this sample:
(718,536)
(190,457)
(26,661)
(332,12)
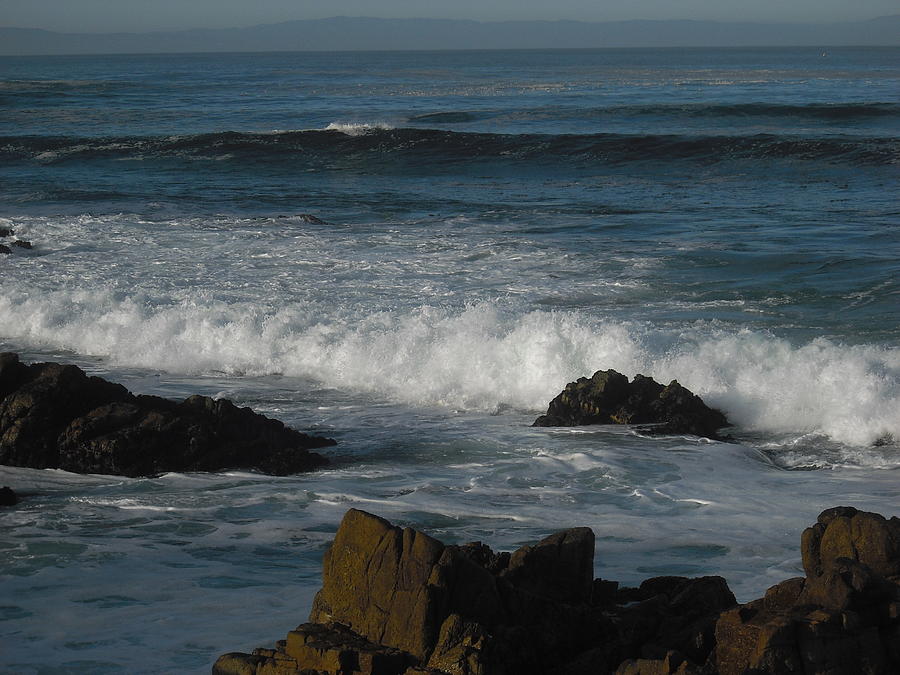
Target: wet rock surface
(398,602)
(55,416)
(608,397)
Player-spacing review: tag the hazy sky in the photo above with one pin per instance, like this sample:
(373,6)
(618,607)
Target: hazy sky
(142,15)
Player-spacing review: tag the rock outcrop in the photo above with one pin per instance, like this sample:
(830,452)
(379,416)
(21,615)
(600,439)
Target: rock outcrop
(398,602)
(54,416)
(843,618)
(609,398)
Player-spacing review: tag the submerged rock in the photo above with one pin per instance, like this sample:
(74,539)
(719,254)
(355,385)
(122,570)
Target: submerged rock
(21,243)
(8,497)
(311,219)
(56,416)
(6,250)
(6,232)
(609,398)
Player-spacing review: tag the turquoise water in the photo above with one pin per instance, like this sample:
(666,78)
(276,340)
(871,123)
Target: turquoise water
(413,253)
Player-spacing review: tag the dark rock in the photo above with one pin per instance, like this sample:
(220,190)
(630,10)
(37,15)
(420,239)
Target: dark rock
(559,567)
(35,413)
(8,497)
(844,532)
(675,613)
(464,610)
(312,220)
(672,663)
(55,416)
(842,619)
(22,244)
(6,232)
(5,249)
(608,398)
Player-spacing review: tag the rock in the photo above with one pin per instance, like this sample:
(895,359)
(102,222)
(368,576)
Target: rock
(461,609)
(33,415)
(672,663)
(8,497)
(55,416)
(6,232)
(376,582)
(842,619)
(674,613)
(608,398)
(311,219)
(5,249)
(464,610)
(560,567)
(844,532)
(22,244)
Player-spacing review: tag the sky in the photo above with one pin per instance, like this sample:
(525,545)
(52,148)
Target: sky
(149,15)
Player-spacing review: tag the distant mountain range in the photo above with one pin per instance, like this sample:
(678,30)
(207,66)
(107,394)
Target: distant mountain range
(358,33)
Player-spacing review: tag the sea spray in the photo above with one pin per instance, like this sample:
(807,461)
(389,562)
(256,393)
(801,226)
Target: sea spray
(481,357)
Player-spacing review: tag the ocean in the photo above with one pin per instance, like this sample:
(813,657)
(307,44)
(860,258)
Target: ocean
(413,253)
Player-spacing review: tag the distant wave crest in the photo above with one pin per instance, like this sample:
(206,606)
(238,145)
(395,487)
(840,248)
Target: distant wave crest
(363,146)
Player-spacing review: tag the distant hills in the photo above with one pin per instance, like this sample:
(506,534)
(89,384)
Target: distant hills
(359,33)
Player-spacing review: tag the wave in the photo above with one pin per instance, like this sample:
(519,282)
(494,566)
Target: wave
(486,356)
(831,112)
(669,112)
(365,145)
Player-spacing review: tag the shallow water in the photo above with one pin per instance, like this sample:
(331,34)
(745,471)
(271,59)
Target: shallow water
(413,253)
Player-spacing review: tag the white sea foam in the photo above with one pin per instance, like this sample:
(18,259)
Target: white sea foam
(479,357)
(358,128)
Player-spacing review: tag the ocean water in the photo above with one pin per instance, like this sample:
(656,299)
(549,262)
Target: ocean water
(413,253)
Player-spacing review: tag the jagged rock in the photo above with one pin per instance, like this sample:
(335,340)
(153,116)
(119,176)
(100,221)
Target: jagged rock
(672,663)
(376,582)
(5,249)
(609,398)
(316,648)
(8,497)
(844,532)
(842,619)
(673,613)
(465,610)
(55,416)
(560,567)
(21,243)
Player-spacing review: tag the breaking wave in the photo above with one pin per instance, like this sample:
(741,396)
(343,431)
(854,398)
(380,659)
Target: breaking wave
(480,357)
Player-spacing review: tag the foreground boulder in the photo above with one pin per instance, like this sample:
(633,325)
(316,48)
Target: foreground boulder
(54,416)
(398,602)
(609,398)
(844,617)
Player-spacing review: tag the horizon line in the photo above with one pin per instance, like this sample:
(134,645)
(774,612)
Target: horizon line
(451,20)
